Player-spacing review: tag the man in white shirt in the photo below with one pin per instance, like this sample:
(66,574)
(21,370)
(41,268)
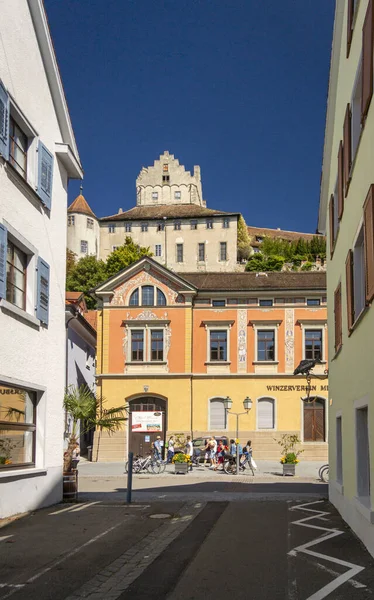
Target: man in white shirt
(189,450)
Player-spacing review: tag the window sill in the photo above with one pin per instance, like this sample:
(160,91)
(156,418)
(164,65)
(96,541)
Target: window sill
(218,362)
(22,314)
(23,184)
(358,320)
(15,473)
(363,507)
(146,362)
(265,362)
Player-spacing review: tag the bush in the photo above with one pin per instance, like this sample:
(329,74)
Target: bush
(274,263)
(307,267)
(255,262)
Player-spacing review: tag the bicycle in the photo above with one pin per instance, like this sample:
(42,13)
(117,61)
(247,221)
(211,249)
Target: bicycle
(229,464)
(324,473)
(149,463)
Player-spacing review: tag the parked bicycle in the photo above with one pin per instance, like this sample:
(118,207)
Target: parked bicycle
(324,473)
(149,463)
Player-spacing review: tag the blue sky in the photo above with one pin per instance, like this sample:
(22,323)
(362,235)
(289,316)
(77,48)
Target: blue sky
(238,88)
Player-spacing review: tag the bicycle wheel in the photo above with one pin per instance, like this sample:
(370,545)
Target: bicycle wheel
(162,466)
(229,468)
(325,474)
(156,466)
(321,469)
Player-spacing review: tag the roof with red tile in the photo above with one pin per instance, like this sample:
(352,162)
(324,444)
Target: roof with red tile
(91,318)
(80,205)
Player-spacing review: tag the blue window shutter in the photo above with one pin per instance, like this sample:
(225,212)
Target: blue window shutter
(42,293)
(45,175)
(3,252)
(4,122)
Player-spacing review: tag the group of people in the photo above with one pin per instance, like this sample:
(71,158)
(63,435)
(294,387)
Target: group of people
(216,452)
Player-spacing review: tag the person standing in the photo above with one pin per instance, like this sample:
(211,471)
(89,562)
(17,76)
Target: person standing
(213,451)
(171,449)
(157,447)
(189,450)
(207,452)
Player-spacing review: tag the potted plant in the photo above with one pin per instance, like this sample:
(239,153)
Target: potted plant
(6,447)
(289,458)
(86,412)
(181,462)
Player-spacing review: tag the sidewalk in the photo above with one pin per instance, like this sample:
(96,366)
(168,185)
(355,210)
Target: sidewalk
(271,470)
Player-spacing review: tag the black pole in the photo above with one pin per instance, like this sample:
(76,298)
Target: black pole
(129,478)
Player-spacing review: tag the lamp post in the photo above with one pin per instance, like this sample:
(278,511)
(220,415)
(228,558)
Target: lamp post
(247,403)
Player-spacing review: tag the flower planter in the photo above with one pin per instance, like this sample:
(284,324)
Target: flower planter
(70,489)
(289,469)
(181,468)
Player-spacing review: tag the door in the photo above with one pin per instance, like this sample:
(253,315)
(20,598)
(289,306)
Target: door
(314,421)
(147,421)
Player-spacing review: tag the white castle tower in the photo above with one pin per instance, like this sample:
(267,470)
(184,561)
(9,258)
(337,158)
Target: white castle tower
(83,228)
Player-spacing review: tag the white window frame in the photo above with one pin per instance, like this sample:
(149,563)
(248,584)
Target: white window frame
(177,225)
(90,223)
(128,227)
(275,413)
(177,195)
(147,351)
(155,196)
(179,262)
(144,227)
(139,288)
(217,327)
(266,299)
(129,350)
(225,223)
(158,253)
(31,277)
(198,252)
(149,329)
(267,326)
(209,224)
(221,398)
(316,325)
(32,143)
(111,228)
(71,220)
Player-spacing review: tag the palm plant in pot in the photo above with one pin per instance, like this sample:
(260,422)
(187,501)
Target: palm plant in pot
(87,412)
(289,458)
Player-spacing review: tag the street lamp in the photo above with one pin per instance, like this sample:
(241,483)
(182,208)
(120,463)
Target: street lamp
(247,403)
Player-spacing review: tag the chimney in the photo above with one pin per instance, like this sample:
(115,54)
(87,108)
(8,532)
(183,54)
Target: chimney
(120,211)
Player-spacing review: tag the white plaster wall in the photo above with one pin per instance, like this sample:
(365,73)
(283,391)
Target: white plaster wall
(34,354)
(79,231)
(77,344)
(189,237)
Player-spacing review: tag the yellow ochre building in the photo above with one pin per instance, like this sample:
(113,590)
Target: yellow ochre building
(174,346)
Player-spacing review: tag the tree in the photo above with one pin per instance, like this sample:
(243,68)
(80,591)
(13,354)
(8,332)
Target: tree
(243,240)
(71,258)
(124,256)
(87,273)
(88,411)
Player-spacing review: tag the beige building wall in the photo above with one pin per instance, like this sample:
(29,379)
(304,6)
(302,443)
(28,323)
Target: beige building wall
(351,375)
(168,182)
(170,237)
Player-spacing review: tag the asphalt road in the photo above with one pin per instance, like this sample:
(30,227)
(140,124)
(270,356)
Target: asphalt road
(245,549)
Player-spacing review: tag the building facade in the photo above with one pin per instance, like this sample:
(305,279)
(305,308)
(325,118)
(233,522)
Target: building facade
(80,356)
(38,155)
(178,344)
(347,215)
(170,217)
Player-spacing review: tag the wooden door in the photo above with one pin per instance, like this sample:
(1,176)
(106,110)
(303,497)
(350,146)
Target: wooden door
(140,442)
(314,421)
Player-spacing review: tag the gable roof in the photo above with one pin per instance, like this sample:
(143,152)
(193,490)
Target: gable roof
(172,211)
(80,205)
(250,281)
(143,263)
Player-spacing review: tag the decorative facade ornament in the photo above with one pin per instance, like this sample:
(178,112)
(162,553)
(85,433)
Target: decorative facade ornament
(147,277)
(242,340)
(290,340)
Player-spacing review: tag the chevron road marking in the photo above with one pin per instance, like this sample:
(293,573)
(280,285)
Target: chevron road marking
(84,506)
(58,512)
(328,534)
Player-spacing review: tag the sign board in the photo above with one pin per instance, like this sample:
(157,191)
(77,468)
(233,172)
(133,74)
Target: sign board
(146,421)
(147,438)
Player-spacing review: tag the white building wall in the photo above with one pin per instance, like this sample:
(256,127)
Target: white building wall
(30,354)
(79,231)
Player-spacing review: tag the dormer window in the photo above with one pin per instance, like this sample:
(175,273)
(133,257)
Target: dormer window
(149,295)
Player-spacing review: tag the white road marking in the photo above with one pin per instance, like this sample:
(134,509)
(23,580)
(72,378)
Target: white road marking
(58,512)
(12,585)
(328,534)
(5,537)
(83,506)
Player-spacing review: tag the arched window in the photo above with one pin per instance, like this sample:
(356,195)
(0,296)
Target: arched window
(147,295)
(217,415)
(134,298)
(265,413)
(161,300)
